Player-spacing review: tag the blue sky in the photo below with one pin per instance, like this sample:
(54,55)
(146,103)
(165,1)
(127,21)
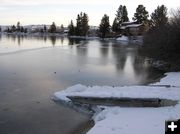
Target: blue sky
(62,11)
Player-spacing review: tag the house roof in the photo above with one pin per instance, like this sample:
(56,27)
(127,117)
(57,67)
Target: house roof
(130,25)
(134,25)
(129,22)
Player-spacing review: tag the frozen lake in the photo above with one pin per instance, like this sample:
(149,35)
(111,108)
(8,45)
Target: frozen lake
(33,68)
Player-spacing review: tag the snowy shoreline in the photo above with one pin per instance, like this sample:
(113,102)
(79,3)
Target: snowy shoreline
(116,120)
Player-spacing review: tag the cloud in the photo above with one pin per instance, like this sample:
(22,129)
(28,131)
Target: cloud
(52,2)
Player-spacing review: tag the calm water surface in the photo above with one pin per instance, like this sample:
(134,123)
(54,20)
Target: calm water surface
(33,68)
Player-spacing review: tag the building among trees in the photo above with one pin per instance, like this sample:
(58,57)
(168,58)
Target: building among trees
(133,29)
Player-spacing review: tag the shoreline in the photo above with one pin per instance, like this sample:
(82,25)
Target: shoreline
(132,40)
(85,127)
(103,115)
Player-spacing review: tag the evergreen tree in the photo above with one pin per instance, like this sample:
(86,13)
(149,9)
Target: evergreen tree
(104,27)
(18,26)
(121,16)
(22,29)
(159,16)
(82,24)
(79,24)
(8,30)
(85,26)
(25,30)
(71,29)
(141,15)
(115,25)
(125,14)
(45,29)
(52,28)
(62,27)
(13,28)
(41,30)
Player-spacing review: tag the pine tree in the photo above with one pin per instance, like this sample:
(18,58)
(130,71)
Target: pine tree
(121,16)
(25,30)
(85,26)
(115,25)
(62,26)
(125,15)
(79,24)
(104,27)
(13,28)
(52,28)
(71,29)
(82,24)
(45,29)
(141,15)
(18,26)
(22,29)
(8,30)
(159,16)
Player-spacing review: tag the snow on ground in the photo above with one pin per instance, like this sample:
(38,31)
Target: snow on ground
(123,38)
(172,93)
(117,120)
(120,120)
(172,79)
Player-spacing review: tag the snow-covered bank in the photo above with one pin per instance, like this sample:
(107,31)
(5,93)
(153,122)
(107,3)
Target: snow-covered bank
(123,38)
(172,79)
(172,93)
(117,120)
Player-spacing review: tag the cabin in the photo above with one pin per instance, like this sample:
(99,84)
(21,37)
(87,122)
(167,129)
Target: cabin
(132,29)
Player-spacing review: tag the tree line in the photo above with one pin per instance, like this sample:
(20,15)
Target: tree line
(17,28)
(81,27)
(158,17)
(20,29)
(162,41)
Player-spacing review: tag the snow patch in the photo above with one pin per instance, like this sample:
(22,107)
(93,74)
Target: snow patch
(172,79)
(120,120)
(171,93)
(115,120)
(123,38)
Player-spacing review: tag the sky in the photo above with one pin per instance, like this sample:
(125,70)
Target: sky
(62,11)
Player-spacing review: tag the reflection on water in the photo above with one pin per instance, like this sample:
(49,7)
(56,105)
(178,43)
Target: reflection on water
(53,40)
(106,62)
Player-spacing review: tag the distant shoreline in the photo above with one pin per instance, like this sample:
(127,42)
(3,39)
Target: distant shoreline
(132,39)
